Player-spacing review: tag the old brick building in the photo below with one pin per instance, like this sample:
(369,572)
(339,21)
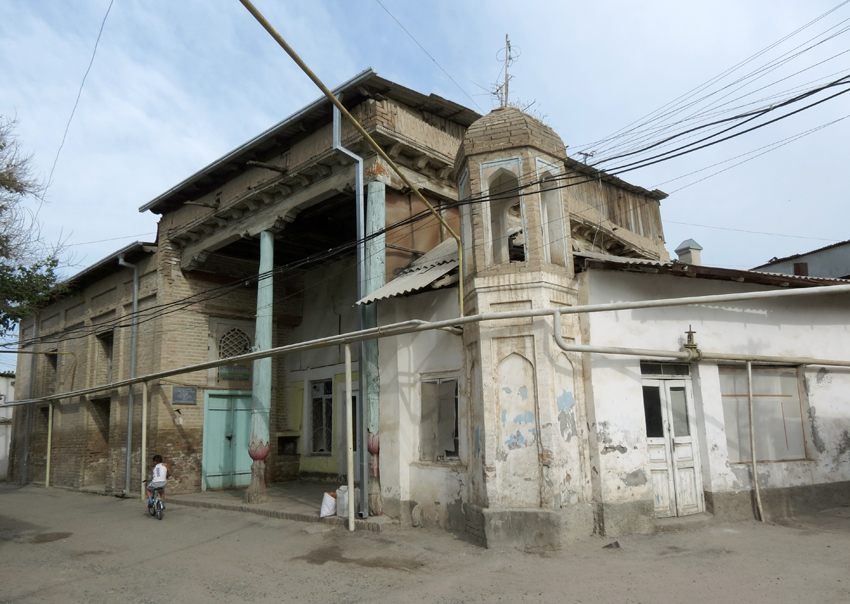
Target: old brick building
(517,430)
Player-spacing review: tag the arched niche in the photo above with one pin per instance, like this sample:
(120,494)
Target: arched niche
(506,220)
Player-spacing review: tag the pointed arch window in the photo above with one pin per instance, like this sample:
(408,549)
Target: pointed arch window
(506,220)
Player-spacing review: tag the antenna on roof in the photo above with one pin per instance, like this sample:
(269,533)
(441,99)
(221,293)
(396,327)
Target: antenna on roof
(507,63)
(511,56)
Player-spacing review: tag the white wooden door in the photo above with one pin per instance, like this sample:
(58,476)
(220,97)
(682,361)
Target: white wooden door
(672,446)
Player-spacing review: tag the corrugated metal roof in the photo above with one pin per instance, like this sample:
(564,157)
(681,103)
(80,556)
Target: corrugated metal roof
(420,273)
(620,259)
(704,272)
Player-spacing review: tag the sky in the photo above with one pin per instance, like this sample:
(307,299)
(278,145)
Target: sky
(176,85)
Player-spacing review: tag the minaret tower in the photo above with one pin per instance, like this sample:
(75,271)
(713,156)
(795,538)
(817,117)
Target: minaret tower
(529,428)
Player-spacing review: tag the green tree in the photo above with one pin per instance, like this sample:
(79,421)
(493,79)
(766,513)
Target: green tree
(27,263)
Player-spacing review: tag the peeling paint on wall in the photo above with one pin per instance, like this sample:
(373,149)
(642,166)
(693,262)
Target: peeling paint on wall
(635,479)
(566,415)
(844,443)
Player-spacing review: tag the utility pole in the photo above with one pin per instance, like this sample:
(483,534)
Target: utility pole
(507,60)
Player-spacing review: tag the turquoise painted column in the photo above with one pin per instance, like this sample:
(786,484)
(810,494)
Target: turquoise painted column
(374,278)
(261,394)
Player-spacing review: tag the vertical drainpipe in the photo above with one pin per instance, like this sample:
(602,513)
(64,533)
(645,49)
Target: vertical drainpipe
(25,459)
(363,454)
(133,335)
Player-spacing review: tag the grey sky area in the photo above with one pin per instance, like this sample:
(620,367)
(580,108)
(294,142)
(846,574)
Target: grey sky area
(175,85)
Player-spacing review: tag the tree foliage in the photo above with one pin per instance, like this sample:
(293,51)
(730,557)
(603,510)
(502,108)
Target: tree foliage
(27,263)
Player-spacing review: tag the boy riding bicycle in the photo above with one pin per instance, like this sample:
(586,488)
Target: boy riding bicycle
(160,473)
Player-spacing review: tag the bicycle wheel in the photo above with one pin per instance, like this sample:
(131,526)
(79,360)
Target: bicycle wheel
(152,509)
(157,504)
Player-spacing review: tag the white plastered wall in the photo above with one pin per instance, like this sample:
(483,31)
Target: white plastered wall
(817,327)
(404,361)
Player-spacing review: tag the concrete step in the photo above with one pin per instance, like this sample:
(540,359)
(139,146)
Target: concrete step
(694,522)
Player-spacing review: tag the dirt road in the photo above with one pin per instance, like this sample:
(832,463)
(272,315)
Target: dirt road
(59,546)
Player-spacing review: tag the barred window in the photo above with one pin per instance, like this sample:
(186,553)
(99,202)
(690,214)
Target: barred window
(233,343)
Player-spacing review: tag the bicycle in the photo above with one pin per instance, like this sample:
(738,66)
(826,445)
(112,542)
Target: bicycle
(157,508)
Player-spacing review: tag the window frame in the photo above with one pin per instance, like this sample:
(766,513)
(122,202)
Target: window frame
(746,445)
(327,416)
(438,379)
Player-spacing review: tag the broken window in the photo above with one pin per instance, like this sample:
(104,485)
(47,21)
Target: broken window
(321,402)
(438,430)
(777,414)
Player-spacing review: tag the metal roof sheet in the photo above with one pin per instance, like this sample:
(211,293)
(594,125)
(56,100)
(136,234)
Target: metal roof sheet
(420,273)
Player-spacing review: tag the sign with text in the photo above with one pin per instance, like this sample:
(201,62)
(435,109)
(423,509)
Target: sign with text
(182,395)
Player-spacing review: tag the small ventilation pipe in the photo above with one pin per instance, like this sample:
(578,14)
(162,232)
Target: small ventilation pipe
(133,335)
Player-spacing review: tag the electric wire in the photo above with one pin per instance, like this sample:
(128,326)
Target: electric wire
(652,116)
(79,93)
(428,54)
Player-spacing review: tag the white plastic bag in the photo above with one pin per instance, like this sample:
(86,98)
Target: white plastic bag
(342,501)
(328,505)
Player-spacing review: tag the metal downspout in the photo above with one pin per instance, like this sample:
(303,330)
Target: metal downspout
(349,438)
(49,443)
(360,209)
(143,469)
(383,154)
(133,335)
(24,478)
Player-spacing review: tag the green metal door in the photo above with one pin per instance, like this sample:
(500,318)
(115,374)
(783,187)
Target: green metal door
(227,430)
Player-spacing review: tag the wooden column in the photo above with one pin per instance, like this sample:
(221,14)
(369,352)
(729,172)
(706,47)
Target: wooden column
(261,393)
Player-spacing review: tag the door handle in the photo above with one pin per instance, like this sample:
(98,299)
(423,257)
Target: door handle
(229,437)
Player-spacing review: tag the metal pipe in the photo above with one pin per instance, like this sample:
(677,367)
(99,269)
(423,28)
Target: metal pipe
(49,443)
(25,460)
(559,340)
(415,326)
(133,336)
(753,439)
(283,44)
(143,470)
(349,437)
(360,210)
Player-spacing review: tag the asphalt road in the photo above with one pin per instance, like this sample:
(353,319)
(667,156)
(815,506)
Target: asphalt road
(59,546)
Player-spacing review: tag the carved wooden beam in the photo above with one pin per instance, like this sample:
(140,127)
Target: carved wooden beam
(266,166)
(322,170)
